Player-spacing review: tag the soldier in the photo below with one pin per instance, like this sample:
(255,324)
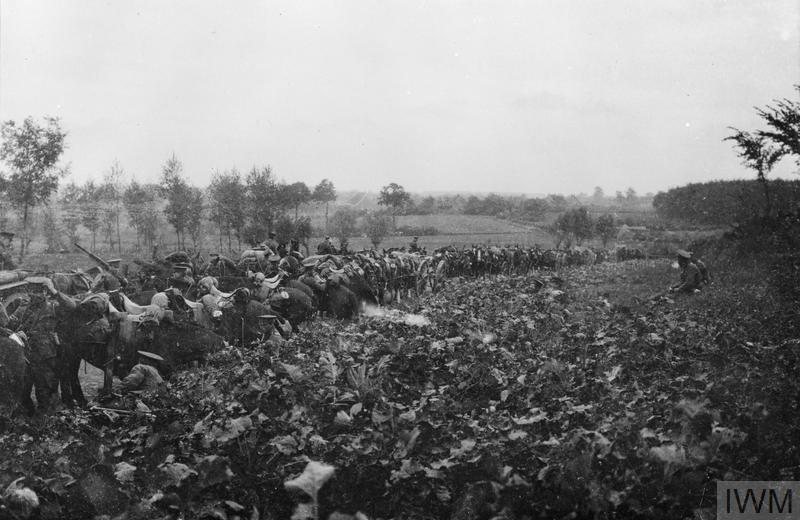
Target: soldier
(273,268)
(107,281)
(691,279)
(289,263)
(38,319)
(343,245)
(294,249)
(414,246)
(703,270)
(271,242)
(326,247)
(6,251)
(144,375)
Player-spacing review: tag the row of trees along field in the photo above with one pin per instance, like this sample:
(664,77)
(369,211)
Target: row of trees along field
(242,208)
(528,209)
(239,208)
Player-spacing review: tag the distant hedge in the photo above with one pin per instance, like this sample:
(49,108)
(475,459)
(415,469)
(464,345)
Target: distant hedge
(722,203)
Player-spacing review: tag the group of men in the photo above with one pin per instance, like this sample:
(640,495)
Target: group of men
(326,247)
(48,322)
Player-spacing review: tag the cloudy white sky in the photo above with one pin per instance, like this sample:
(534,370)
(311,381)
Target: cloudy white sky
(512,96)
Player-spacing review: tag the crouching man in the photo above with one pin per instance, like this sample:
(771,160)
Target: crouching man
(144,376)
(691,278)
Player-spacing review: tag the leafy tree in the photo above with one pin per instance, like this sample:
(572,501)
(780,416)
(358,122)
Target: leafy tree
(427,206)
(534,209)
(262,195)
(90,210)
(598,194)
(557,202)
(783,121)
(630,195)
(194,216)
(495,205)
(394,197)
(110,195)
(324,193)
(227,196)
(620,197)
(473,206)
(179,210)
(141,203)
(301,229)
(52,232)
(606,228)
(576,224)
(298,193)
(32,152)
(760,154)
(377,226)
(70,211)
(343,224)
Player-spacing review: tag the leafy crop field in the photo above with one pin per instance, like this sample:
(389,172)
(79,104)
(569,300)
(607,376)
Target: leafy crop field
(494,397)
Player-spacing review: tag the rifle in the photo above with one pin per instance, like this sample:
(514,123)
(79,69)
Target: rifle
(659,295)
(102,263)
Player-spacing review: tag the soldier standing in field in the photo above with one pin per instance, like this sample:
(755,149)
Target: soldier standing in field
(6,251)
(414,246)
(39,319)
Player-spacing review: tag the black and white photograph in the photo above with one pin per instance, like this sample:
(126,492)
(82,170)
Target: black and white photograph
(402,259)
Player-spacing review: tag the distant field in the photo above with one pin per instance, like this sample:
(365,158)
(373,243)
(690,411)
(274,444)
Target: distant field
(457,230)
(461,224)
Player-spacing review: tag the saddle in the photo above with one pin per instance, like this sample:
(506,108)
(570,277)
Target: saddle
(272,283)
(132,308)
(148,314)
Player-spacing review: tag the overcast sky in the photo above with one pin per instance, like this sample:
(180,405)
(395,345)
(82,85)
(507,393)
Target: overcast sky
(506,96)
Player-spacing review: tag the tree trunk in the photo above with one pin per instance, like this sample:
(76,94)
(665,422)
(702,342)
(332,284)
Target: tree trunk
(220,234)
(767,195)
(119,237)
(24,240)
(326,218)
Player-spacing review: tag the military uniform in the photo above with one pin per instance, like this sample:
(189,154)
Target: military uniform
(39,320)
(6,262)
(703,271)
(326,248)
(691,279)
(271,243)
